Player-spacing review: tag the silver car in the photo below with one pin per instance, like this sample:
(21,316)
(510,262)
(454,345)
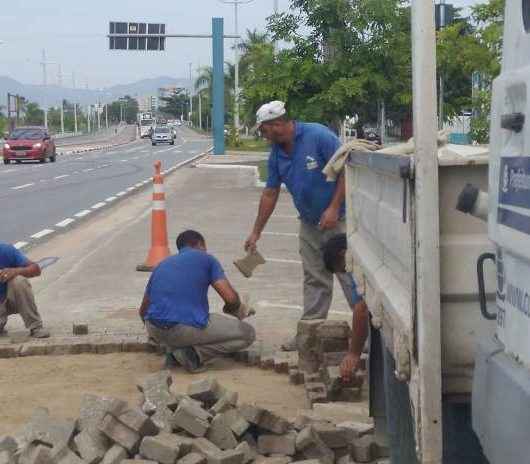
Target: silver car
(162,135)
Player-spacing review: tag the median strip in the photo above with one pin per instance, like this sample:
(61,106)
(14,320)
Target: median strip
(83,213)
(42,233)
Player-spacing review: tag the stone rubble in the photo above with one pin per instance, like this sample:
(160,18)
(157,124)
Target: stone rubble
(205,426)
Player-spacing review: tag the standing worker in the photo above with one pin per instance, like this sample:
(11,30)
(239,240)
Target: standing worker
(16,295)
(299,153)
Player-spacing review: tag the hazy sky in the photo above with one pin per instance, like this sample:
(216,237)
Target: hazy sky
(73,34)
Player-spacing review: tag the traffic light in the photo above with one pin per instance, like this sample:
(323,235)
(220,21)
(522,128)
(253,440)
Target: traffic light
(155,43)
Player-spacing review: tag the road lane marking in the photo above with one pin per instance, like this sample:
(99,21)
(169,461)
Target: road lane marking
(42,233)
(20,245)
(130,189)
(138,185)
(65,222)
(88,170)
(124,161)
(110,199)
(120,194)
(62,177)
(83,213)
(98,205)
(19,187)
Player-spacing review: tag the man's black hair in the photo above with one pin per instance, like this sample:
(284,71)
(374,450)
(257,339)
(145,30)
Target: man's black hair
(332,251)
(189,238)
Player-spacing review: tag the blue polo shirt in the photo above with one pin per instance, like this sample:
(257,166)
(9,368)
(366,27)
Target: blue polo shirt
(10,257)
(178,288)
(301,170)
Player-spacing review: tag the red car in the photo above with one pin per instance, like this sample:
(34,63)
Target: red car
(29,144)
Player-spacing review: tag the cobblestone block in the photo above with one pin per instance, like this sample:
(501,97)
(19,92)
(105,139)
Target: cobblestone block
(120,433)
(364,449)
(91,447)
(207,391)
(312,447)
(249,453)
(163,448)
(191,418)
(220,433)
(334,329)
(277,444)
(114,455)
(192,458)
(136,420)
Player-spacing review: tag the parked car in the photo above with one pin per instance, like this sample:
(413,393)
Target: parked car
(29,144)
(162,135)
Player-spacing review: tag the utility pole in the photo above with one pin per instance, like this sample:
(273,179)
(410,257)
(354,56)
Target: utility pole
(191,95)
(107,115)
(75,118)
(60,82)
(200,110)
(45,87)
(88,118)
(98,108)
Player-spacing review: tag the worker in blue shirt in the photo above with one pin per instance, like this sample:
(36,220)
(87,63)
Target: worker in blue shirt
(298,155)
(16,295)
(176,312)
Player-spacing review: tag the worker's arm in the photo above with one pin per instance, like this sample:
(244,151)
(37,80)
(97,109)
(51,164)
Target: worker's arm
(360,322)
(228,294)
(144,307)
(31,270)
(330,217)
(267,203)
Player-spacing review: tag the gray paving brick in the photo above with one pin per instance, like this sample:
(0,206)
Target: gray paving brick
(191,418)
(249,453)
(6,457)
(237,423)
(273,423)
(114,455)
(277,444)
(47,430)
(120,433)
(192,458)
(334,329)
(163,448)
(311,446)
(207,391)
(220,433)
(35,454)
(91,447)
(136,420)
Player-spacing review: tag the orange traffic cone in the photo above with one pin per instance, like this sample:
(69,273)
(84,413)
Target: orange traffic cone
(159,243)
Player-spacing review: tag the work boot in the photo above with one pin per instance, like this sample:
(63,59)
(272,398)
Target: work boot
(290,345)
(189,360)
(40,332)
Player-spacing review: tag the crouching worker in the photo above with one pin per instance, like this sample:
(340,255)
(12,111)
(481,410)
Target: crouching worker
(176,312)
(334,252)
(16,295)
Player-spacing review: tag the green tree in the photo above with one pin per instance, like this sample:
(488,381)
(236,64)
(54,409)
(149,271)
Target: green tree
(34,115)
(176,104)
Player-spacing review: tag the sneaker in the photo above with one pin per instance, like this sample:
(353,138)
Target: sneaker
(41,332)
(290,345)
(189,360)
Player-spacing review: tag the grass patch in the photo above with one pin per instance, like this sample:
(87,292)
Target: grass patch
(250,145)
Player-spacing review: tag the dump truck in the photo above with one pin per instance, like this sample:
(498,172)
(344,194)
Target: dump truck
(448,292)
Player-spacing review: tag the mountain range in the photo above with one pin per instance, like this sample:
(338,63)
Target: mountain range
(52,94)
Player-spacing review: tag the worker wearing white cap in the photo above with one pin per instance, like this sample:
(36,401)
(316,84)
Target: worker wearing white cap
(299,153)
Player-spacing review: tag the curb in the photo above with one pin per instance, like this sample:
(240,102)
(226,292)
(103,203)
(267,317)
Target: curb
(69,223)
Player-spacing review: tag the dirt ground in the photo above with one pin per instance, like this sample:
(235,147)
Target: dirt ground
(58,383)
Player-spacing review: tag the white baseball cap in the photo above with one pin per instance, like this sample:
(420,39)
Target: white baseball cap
(270,111)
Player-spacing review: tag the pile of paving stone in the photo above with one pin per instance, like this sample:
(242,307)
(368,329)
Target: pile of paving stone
(322,345)
(205,426)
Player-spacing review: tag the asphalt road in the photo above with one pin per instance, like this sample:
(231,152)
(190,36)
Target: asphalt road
(40,199)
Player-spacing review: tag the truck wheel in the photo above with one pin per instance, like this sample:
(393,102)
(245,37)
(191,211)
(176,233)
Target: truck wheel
(52,158)
(154,144)
(42,160)
(173,142)
(6,161)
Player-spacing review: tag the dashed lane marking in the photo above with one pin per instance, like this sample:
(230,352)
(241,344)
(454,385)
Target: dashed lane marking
(65,222)
(20,245)
(42,233)
(98,205)
(19,187)
(110,199)
(61,177)
(83,213)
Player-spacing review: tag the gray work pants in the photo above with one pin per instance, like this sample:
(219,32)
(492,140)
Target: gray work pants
(223,335)
(318,281)
(20,300)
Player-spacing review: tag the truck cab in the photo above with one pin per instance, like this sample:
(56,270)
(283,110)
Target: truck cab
(501,389)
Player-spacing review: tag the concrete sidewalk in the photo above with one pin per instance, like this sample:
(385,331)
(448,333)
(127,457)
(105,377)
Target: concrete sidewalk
(95,280)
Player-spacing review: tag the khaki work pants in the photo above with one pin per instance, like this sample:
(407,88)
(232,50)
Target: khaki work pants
(20,300)
(222,336)
(318,281)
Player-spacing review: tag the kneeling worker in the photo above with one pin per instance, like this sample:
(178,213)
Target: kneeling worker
(16,295)
(176,312)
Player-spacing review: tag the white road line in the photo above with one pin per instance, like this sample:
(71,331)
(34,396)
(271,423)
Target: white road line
(138,185)
(42,233)
(88,170)
(281,234)
(20,245)
(285,261)
(98,205)
(120,194)
(62,177)
(135,158)
(83,213)
(124,161)
(110,199)
(130,189)
(65,222)
(80,158)
(18,187)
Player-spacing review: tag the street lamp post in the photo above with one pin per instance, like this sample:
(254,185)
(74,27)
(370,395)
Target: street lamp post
(236,4)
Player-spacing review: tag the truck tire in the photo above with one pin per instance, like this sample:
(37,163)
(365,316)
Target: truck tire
(154,144)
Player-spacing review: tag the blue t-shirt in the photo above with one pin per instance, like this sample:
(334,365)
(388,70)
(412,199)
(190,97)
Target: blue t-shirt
(10,257)
(355,297)
(178,288)
(301,171)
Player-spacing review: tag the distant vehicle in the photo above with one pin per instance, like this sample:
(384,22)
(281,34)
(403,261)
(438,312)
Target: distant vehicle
(145,123)
(29,144)
(162,134)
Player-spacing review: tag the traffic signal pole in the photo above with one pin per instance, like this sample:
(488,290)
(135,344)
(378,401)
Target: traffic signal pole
(217,37)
